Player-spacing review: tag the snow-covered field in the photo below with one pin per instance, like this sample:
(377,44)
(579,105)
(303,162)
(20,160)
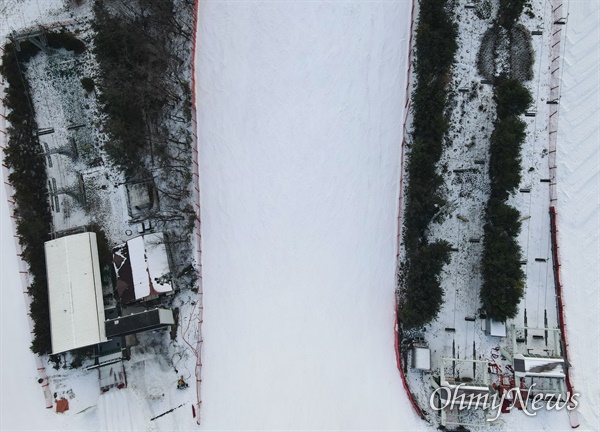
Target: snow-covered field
(300,109)
(578,205)
(299,114)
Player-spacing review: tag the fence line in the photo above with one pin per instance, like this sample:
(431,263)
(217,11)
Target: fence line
(558,34)
(22,266)
(397,330)
(558,24)
(200,303)
(404,135)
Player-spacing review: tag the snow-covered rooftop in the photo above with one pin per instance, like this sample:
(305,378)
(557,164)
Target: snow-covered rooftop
(148,258)
(74,292)
(495,328)
(421,358)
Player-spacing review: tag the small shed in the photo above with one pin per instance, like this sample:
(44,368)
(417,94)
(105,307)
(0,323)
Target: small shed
(421,358)
(495,328)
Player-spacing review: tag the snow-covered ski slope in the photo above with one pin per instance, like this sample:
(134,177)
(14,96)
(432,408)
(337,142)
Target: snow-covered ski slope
(300,109)
(578,205)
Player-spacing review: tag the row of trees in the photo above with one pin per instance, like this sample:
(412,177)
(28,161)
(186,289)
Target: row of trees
(503,277)
(143,51)
(137,72)
(421,295)
(28,176)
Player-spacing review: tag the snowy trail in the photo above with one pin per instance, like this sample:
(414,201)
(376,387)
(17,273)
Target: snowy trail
(300,110)
(578,206)
(122,411)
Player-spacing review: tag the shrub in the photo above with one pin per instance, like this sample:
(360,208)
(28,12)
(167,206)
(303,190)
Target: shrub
(512,98)
(509,12)
(505,156)
(423,294)
(503,285)
(66,40)
(88,84)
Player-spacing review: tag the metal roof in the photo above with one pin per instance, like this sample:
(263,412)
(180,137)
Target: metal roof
(139,322)
(74,292)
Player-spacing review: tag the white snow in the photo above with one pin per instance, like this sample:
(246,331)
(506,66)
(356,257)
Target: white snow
(121,410)
(299,114)
(578,205)
(158,263)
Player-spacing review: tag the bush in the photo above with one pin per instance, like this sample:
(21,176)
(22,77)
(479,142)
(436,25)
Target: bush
(66,40)
(88,84)
(423,294)
(512,98)
(521,53)
(503,285)
(505,156)
(509,12)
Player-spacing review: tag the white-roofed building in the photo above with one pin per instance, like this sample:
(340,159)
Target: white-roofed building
(74,292)
(421,358)
(495,328)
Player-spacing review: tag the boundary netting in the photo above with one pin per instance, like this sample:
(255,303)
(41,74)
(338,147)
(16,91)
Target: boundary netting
(397,330)
(200,304)
(558,33)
